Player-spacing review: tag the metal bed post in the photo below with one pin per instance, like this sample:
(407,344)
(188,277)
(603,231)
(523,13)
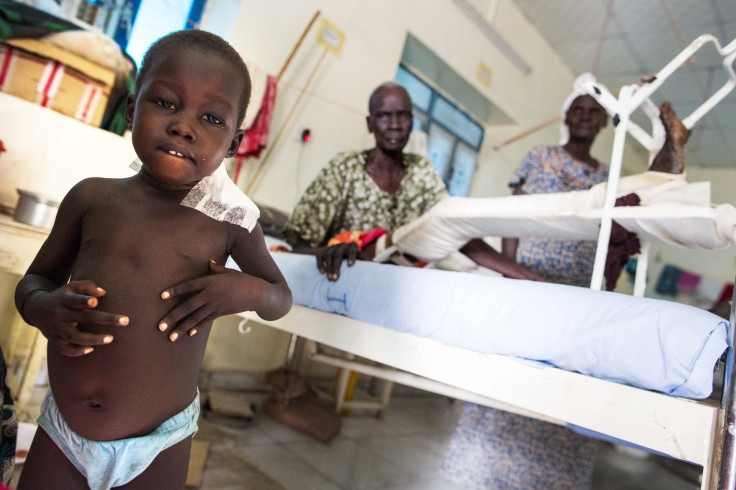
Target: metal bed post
(642,265)
(614,173)
(727,474)
(728,53)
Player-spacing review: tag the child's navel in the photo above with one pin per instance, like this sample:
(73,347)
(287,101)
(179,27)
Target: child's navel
(94,404)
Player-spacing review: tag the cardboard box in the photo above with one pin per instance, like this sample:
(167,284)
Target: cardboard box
(55,78)
(197,460)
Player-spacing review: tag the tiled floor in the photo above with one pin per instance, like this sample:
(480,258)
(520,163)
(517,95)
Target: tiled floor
(401,451)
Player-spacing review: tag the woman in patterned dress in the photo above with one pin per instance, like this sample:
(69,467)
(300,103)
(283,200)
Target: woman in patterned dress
(570,167)
(562,168)
(496,449)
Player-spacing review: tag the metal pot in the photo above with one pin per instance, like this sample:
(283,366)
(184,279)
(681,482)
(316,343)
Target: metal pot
(35,210)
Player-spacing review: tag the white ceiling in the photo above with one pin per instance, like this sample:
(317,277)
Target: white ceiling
(620,41)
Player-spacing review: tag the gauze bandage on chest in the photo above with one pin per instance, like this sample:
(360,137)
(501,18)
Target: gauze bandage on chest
(219,198)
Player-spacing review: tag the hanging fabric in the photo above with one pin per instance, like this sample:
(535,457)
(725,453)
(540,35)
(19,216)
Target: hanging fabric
(256,136)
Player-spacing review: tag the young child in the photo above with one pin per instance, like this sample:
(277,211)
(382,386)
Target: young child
(127,259)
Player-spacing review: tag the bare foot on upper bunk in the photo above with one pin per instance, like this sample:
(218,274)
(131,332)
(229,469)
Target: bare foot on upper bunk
(671,158)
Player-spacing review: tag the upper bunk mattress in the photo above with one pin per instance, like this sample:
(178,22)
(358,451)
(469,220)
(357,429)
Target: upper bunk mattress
(672,211)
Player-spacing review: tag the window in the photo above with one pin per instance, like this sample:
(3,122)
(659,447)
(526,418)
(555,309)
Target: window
(151,19)
(453,137)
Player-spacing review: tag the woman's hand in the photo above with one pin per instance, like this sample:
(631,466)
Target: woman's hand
(223,292)
(58,313)
(483,254)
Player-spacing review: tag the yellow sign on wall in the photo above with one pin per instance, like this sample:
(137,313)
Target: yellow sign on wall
(330,37)
(484,74)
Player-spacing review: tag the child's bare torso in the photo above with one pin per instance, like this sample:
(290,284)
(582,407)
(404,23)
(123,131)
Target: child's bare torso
(135,243)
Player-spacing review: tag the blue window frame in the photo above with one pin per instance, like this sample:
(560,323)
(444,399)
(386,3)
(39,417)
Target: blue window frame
(453,137)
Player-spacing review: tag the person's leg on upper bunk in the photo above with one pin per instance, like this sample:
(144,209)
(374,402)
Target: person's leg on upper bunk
(671,157)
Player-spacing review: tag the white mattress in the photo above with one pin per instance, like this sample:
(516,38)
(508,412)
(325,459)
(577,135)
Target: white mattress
(672,211)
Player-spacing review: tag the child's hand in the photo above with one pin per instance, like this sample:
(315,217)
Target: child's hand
(58,313)
(224,292)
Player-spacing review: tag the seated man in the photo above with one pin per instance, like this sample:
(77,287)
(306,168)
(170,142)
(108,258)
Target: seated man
(382,187)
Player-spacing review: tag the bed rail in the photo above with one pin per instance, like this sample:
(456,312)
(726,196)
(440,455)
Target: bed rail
(640,98)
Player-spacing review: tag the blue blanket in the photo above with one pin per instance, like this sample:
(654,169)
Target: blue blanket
(652,344)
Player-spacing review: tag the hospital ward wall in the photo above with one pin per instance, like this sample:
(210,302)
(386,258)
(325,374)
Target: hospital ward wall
(334,104)
(328,92)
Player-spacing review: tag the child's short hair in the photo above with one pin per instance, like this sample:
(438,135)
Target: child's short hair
(194,38)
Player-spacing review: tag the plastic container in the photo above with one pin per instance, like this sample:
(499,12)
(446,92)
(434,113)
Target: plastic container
(35,210)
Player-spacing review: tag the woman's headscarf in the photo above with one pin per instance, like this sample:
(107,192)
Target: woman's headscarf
(578,90)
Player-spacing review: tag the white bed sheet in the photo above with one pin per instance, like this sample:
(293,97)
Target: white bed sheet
(672,211)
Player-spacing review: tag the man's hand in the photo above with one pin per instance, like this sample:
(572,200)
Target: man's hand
(329,259)
(58,313)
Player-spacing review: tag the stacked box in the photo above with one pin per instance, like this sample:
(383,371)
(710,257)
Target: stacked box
(55,78)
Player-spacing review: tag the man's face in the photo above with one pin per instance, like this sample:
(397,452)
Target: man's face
(390,120)
(585,118)
(185,117)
